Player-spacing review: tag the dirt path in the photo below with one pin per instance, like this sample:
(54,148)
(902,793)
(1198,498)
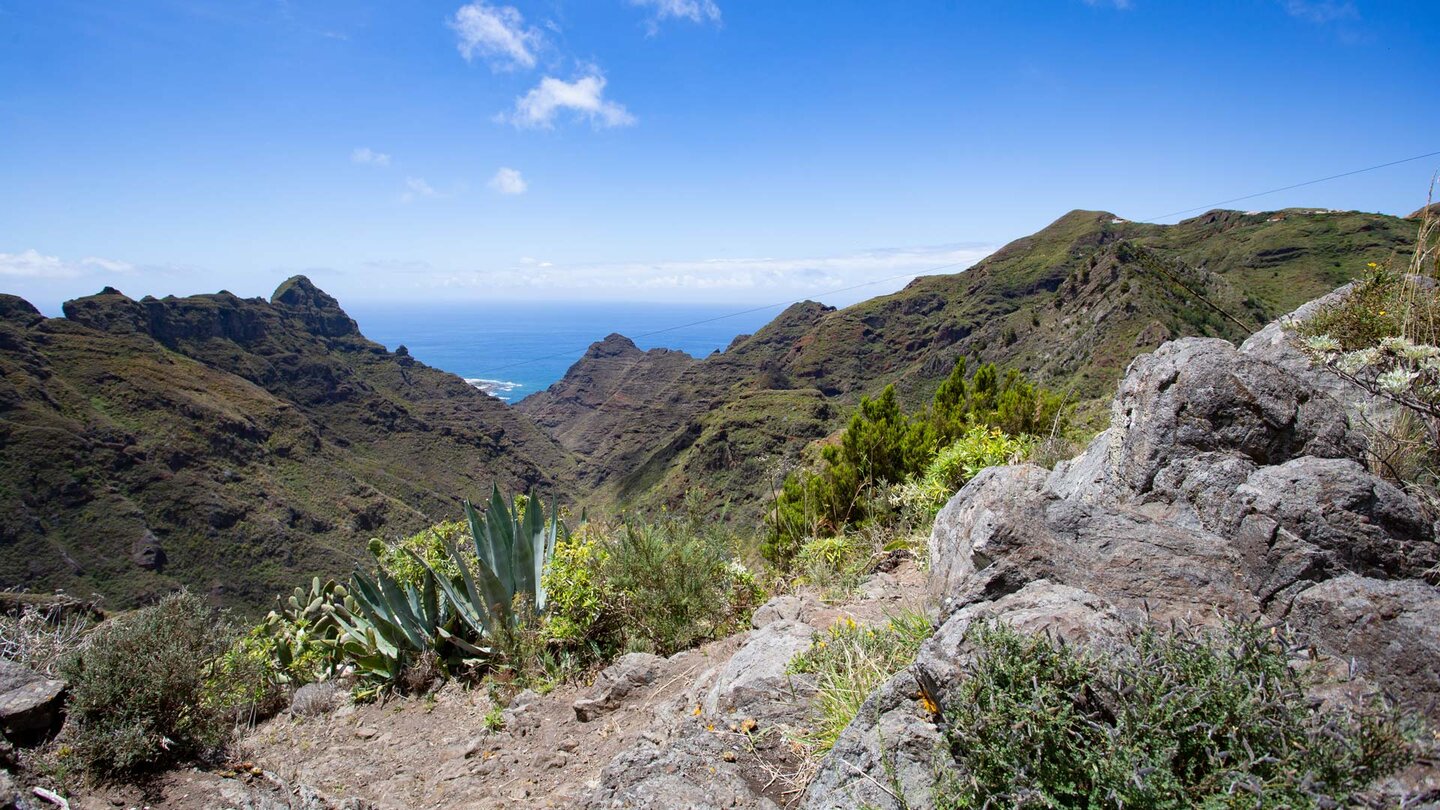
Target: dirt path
(438,751)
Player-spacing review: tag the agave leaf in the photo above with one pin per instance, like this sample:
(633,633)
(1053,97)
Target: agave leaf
(466,646)
(500,533)
(526,529)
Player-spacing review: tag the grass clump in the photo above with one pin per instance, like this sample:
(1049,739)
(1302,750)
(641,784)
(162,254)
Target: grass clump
(1171,718)
(850,661)
(140,691)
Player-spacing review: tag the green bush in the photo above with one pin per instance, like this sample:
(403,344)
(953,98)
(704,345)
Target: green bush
(883,446)
(245,680)
(398,559)
(979,447)
(138,689)
(677,582)
(580,597)
(850,661)
(1171,718)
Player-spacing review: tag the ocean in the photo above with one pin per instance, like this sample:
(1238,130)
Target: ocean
(514,349)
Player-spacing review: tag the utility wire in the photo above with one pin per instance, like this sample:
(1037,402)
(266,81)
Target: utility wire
(928,271)
(1288,188)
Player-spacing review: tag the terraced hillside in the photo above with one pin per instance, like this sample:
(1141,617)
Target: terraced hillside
(236,446)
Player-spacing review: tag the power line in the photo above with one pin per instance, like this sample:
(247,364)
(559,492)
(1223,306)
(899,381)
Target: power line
(1288,188)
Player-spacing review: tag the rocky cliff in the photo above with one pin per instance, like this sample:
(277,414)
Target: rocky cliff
(233,445)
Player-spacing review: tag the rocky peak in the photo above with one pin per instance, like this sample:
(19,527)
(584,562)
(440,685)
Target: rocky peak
(108,311)
(14,309)
(320,312)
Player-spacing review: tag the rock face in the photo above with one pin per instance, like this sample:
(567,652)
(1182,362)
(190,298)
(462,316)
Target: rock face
(1229,483)
(30,703)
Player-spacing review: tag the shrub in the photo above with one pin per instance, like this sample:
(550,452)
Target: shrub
(244,682)
(850,661)
(677,583)
(399,559)
(579,595)
(40,637)
(954,466)
(138,696)
(1168,719)
(882,446)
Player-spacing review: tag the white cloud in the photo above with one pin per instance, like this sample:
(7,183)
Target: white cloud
(1123,5)
(508,181)
(497,33)
(869,273)
(1321,12)
(33,264)
(584,97)
(366,156)
(416,188)
(698,11)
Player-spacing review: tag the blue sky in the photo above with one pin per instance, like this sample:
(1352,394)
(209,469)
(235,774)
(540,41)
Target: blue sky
(698,150)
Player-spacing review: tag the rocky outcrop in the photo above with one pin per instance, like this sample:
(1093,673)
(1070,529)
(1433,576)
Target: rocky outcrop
(1229,484)
(30,703)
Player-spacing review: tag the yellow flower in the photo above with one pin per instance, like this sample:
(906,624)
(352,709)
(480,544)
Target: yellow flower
(1372,264)
(1382,312)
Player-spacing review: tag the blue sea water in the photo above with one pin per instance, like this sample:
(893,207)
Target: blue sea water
(514,349)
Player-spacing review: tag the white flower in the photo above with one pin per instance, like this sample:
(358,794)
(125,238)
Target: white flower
(1396,380)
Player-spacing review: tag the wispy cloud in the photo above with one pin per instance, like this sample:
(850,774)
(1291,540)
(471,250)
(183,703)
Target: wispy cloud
(366,156)
(870,272)
(33,264)
(583,98)
(508,181)
(496,33)
(1123,5)
(1322,12)
(697,11)
(416,188)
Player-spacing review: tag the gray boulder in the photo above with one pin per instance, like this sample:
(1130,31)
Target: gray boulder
(616,683)
(1229,484)
(753,683)
(30,703)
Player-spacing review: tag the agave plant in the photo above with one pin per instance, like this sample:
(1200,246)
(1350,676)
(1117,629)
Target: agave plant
(512,549)
(386,623)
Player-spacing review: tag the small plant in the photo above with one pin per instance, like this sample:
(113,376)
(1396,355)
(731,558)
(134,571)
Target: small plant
(956,464)
(850,661)
(1171,718)
(139,695)
(494,719)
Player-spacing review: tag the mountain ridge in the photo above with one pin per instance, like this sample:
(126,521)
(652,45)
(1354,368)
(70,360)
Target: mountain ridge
(232,445)
(1068,305)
